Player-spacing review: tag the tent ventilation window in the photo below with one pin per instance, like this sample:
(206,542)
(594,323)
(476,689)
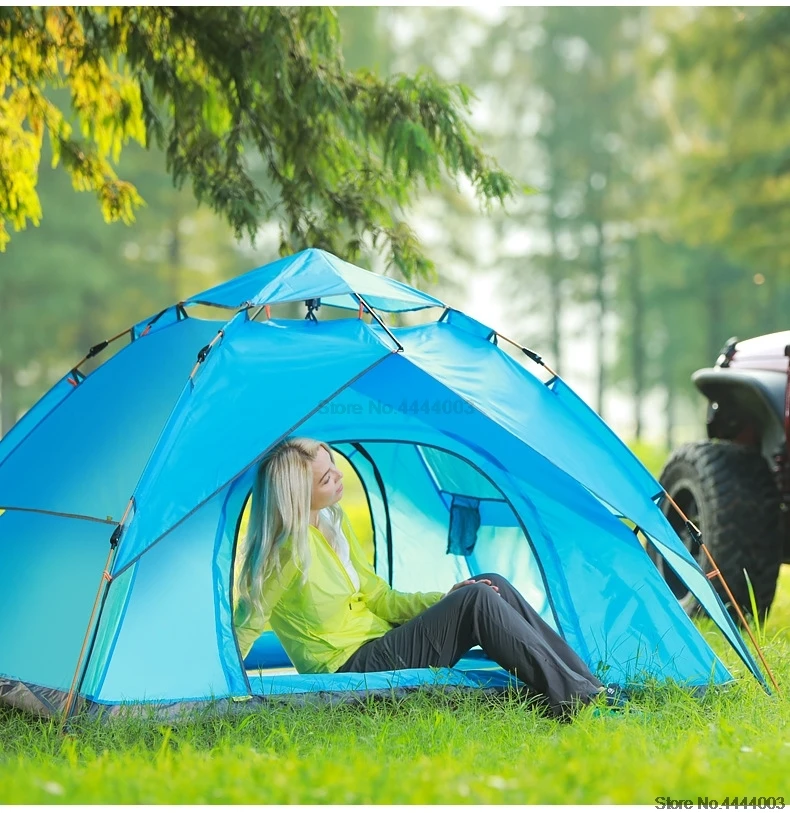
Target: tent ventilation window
(464,525)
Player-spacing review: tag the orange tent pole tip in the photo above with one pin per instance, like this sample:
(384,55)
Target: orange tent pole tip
(734,604)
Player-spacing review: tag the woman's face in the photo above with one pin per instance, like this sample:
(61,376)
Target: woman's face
(327,481)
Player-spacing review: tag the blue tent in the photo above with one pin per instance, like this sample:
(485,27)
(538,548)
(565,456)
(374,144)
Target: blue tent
(132,480)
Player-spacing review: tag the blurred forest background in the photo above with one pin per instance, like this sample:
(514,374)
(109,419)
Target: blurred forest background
(658,141)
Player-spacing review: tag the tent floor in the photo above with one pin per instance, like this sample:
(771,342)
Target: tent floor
(469,672)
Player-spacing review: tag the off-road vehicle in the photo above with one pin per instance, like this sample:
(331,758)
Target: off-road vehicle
(735,486)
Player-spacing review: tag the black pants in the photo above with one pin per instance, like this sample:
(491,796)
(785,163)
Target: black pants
(508,630)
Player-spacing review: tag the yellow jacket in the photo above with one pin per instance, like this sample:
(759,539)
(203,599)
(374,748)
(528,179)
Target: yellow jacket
(324,621)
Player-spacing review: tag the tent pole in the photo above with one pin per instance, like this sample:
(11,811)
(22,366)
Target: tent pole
(378,319)
(716,572)
(534,356)
(205,351)
(106,578)
(97,348)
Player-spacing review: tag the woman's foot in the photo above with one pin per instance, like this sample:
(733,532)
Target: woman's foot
(613,695)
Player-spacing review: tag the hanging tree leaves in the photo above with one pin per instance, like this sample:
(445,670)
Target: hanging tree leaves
(253,108)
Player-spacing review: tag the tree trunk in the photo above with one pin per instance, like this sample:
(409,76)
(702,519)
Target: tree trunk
(89,332)
(669,409)
(771,296)
(174,260)
(8,393)
(600,298)
(715,309)
(8,397)
(555,289)
(637,337)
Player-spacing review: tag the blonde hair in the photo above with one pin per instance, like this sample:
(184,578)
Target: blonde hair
(281,497)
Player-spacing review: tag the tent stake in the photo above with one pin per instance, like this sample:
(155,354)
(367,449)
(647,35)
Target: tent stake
(717,572)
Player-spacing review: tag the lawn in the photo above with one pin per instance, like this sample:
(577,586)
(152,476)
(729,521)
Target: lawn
(426,748)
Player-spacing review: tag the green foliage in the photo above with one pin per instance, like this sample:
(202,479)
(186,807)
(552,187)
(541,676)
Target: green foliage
(652,455)
(366,43)
(731,93)
(75,281)
(37,48)
(219,89)
(657,140)
(449,221)
(558,91)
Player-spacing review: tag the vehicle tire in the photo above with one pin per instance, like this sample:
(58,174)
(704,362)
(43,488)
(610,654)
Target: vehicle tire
(729,493)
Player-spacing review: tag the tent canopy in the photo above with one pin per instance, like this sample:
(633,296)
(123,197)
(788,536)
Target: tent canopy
(469,462)
(316,274)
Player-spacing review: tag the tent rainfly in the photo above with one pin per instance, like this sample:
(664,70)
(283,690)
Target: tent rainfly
(121,493)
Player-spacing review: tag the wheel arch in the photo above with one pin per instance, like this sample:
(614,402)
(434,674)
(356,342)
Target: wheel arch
(746,406)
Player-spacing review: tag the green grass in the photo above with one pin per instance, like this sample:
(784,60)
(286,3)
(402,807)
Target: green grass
(424,748)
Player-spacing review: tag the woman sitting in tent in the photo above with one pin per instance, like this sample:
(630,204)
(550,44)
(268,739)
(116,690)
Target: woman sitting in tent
(302,568)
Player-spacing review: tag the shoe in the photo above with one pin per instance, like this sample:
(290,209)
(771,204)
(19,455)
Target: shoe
(615,697)
(613,700)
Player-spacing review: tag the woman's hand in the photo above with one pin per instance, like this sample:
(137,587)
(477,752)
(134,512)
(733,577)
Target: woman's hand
(472,581)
